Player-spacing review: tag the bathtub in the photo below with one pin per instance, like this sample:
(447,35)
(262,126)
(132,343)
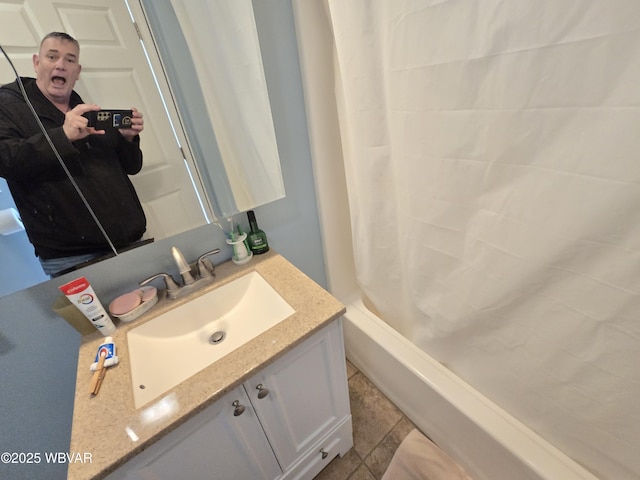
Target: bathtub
(488,442)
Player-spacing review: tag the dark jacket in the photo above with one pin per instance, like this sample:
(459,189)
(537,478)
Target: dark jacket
(56,219)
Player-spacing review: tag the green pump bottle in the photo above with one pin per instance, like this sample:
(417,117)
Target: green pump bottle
(256,238)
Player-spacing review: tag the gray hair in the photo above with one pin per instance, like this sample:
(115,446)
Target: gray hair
(61,36)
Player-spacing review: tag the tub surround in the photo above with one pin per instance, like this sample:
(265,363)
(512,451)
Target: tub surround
(109,430)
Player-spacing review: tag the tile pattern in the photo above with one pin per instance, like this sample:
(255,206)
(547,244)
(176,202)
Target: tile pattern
(378,429)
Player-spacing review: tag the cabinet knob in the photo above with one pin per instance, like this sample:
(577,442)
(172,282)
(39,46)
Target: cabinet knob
(262,392)
(238,409)
(324,454)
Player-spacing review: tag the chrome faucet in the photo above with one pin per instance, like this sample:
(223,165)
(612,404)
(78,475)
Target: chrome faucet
(192,278)
(183,266)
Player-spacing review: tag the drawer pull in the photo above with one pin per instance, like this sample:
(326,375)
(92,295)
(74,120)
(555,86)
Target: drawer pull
(238,409)
(262,392)
(324,454)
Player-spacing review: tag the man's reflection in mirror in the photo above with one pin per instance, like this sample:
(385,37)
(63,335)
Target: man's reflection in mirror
(60,227)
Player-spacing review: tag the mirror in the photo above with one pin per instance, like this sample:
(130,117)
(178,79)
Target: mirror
(217,43)
(186,175)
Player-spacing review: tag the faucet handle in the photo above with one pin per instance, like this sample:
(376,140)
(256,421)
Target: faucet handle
(205,266)
(169,282)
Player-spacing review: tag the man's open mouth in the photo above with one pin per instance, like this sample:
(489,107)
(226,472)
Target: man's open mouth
(58,80)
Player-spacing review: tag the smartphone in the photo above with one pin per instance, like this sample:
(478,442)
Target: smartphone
(103,119)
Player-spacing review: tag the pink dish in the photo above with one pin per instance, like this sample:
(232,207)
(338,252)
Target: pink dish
(125,303)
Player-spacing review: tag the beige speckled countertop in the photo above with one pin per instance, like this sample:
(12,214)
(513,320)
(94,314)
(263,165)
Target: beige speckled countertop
(111,430)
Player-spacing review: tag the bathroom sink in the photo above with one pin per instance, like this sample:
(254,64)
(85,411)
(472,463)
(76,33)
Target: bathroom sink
(175,345)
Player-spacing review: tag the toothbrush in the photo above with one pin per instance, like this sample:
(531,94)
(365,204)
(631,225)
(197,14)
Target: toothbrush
(233,234)
(246,243)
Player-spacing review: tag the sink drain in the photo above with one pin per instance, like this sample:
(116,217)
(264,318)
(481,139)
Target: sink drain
(217,337)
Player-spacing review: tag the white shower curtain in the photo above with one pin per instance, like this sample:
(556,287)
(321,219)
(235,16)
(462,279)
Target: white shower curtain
(492,155)
(223,40)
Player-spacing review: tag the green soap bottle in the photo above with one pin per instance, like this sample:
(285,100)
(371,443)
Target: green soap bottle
(257,238)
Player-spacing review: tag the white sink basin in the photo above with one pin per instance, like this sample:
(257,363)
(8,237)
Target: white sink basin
(174,346)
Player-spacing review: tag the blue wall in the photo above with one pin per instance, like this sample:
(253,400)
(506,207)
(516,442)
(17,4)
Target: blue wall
(38,350)
(16,254)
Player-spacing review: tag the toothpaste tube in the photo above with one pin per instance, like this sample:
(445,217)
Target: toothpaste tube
(81,294)
(108,348)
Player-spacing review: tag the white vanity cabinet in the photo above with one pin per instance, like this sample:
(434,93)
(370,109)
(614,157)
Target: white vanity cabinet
(214,444)
(306,413)
(288,421)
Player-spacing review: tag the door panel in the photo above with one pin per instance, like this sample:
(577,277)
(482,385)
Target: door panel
(308,395)
(214,444)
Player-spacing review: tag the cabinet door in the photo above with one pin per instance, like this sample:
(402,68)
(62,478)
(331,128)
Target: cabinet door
(307,395)
(213,444)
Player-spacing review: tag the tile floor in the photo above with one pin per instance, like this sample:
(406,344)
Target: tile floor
(378,429)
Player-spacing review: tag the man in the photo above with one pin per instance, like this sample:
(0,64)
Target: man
(58,224)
